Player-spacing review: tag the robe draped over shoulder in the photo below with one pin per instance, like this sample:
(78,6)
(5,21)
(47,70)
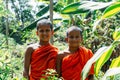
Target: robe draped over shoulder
(73,64)
(42,58)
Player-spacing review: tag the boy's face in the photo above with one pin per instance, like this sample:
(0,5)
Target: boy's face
(74,38)
(44,32)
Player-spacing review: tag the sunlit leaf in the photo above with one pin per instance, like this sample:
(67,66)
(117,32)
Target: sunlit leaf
(111,10)
(111,72)
(95,57)
(105,56)
(96,24)
(116,34)
(84,6)
(95,5)
(115,62)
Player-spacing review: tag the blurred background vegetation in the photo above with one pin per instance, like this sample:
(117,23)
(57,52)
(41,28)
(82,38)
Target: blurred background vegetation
(17,30)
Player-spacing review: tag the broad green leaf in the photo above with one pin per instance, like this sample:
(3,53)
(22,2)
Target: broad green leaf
(95,5)
(116,34)
(43,11)
(115,62)
(95,57)
(111,10)
(84,6)
(32,25)
(105,56)
(110,72)
(74,8)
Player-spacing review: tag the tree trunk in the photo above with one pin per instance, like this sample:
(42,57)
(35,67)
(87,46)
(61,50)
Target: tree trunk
(7,24)
(51,16)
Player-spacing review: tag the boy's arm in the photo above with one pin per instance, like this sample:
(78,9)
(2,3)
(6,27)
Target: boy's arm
(27,59)
(58,64)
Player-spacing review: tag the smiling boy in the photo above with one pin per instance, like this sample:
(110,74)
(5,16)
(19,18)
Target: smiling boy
(42,55)
(71,61)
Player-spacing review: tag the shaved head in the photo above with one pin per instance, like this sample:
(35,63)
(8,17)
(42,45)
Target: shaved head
(73,28)
(44,22)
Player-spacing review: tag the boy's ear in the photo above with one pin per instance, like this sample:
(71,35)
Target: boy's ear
(66,39)
(52,32)
(36,32)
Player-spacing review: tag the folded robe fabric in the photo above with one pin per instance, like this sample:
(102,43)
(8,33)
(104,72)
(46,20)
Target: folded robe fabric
(42,58)
(73,64)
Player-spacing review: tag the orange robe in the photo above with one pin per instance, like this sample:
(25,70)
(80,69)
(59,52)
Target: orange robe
(42,58)
(73,64)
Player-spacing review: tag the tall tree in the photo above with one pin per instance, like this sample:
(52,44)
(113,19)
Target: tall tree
(51,15)
(7,23)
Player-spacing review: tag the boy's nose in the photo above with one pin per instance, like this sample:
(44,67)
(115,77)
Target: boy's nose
(44,32)
(74,38)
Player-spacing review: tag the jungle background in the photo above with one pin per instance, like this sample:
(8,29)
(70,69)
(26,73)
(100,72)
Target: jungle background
(18,20)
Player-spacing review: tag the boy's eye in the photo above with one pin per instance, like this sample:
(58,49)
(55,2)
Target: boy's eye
(71,37)
(77,36)
(41,31)
(47,30)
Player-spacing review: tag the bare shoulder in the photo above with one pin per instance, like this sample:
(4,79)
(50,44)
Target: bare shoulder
(31,48)
(61,54)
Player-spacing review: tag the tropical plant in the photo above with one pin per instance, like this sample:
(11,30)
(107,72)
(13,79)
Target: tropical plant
(104,53)
(101,32)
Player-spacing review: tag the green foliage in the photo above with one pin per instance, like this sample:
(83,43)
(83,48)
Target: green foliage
(43,11)
(11,59)
(10,62)
(50,74)
(84,6)
(32,25)
(74,8)
(116,35)
(111,72)
(111,10)
(88,65)
(115,62)
(105,55)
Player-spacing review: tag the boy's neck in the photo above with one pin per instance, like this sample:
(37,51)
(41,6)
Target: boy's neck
(72,49)
(43,43)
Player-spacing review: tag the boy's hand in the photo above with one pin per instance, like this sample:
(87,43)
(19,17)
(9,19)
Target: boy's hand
(25,75)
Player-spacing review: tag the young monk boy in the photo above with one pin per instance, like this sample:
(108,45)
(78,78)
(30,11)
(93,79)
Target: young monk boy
(42,55)
(71,61)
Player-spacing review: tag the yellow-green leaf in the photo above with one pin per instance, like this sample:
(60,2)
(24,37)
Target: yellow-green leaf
(115,62)
(105,56)
(111,10)
(95,57)
(110,72)
(116,34)
(74,8)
